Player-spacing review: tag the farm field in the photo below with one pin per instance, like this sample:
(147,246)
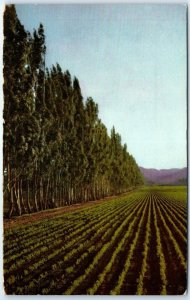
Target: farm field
(136,244)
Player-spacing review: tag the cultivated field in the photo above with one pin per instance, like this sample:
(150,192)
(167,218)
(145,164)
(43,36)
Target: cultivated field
(128,245)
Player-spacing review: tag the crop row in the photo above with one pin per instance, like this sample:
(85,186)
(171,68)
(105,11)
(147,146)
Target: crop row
(101,250)
(123,274)
(172,238)
(79,231)
(56,229)
(38,231)
(129,207)
(103,233)
(105,248)
(146,250)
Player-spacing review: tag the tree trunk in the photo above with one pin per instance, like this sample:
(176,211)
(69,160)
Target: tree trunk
(28,197)
(24,210)
(52,194)
(46,194)
(35,194)
(12,203)
(10,196)
(69,196)
(41,200)
(55,191)
(17,196)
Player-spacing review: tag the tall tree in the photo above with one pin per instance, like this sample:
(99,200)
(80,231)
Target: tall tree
(20,124)
(56,149)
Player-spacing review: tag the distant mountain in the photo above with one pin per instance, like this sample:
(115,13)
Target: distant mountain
(165,176)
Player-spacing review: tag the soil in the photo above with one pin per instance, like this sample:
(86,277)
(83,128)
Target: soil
(176,277)
(130,283)
(175,273)
(152,280)
(46,214)
(112,278)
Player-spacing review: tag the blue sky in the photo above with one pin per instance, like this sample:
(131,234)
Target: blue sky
(132,60)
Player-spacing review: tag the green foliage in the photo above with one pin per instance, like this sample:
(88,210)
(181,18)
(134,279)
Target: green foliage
(69,253)
(122,276)
(56,149)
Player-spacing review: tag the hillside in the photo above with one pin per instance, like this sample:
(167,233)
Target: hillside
(165,176)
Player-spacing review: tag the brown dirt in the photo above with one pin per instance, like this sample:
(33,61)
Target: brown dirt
(130,283)
(38,216)
(112,277)
(175,274)
(152,279)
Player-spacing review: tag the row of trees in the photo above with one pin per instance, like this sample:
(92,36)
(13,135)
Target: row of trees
(56,150)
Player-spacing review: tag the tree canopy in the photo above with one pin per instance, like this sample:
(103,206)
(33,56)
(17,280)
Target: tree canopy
(56,149)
